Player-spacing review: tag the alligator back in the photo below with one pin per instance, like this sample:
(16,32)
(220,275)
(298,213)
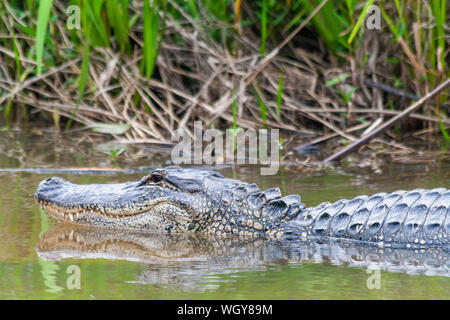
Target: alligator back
(417,218)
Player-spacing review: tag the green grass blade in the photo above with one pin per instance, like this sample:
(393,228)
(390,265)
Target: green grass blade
(280,94)
(16,57)
(359,21)
(262,105)
(147,39)
(390,24)
(338,79)
(151,33)
(7,113)
(45,7)
(443,130)
(118,17)
(325,22)
(193,8)
(262,46)
(82,80)
(438,8)
(234,108)
(295,20)
(100,36)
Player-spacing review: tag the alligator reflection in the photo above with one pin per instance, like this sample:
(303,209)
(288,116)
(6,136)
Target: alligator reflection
(187,260)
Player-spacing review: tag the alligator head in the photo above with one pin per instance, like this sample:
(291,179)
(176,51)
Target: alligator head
(169,200)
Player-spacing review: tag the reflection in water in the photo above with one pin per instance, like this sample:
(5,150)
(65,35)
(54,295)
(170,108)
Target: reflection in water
(190,261)
(49,271)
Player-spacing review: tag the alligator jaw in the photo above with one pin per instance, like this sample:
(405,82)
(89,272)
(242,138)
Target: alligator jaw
(140,205)
(74,214)
(63,200)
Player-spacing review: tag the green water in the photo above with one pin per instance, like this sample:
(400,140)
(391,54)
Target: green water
(24,275)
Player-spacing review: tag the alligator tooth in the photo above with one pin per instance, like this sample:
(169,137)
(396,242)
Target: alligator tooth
(71,235)
(77,214)
(71,217)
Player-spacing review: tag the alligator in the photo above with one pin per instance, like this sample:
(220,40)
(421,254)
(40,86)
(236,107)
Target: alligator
(188,200)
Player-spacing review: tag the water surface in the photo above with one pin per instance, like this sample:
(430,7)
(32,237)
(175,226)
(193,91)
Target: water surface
(190,268)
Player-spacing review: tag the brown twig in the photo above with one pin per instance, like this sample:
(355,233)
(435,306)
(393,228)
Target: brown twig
(363,140)
(396,92)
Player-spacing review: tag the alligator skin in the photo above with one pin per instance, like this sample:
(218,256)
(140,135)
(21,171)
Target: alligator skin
(185,200)
(415,218)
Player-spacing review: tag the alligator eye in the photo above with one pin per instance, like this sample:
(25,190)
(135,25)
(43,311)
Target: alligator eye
(156,177)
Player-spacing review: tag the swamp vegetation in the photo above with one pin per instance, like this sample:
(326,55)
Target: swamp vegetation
(320,71)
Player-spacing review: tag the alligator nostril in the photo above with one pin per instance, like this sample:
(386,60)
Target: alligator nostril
(49,184)
(49,188)
(53,180)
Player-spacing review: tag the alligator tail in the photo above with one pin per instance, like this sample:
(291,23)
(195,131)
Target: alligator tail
(417,218)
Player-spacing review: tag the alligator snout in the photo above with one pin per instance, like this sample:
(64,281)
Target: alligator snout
(64,196)
(47,187)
